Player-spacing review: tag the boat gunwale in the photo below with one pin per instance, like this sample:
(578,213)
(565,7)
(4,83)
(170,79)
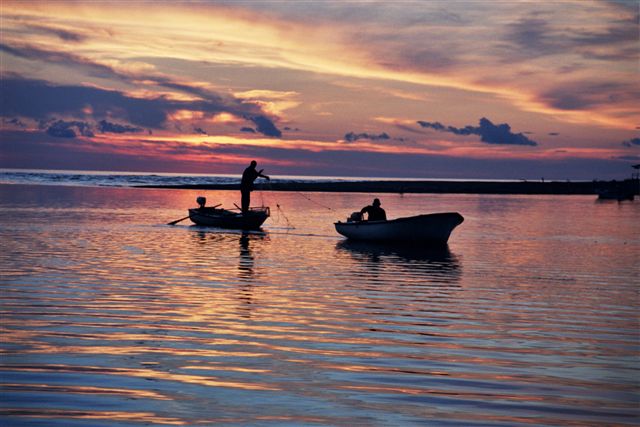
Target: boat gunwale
(210,216)
(212,212)
(402,219)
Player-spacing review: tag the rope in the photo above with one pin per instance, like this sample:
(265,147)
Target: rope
(280,211)
(270,188)
(313,201)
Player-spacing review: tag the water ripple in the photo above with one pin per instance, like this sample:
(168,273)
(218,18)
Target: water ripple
(109,319)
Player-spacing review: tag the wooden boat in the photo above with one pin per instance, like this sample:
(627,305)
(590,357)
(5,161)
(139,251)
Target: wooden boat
(430,228)
(224,218)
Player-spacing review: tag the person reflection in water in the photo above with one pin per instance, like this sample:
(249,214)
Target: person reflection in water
(249,175)
(374,211)
(245,273)
(245,268)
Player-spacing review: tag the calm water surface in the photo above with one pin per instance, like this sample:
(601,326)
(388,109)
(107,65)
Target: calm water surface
(112,318)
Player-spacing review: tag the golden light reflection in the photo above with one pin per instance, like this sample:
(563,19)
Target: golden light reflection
(209,381)
(228,369)
(129,393)
(61,414)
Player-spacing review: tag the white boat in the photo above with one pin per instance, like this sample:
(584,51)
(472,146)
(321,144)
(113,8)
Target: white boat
(429,228)
(224,218)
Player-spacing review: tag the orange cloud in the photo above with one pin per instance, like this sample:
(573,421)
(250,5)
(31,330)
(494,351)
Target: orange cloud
(230,35)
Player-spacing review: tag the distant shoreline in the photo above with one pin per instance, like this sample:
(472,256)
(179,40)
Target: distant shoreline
(453,187)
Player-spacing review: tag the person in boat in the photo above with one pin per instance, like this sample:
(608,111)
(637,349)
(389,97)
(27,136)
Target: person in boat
(249,175)
(374,211)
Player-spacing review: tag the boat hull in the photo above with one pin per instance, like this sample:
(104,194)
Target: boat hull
(616,195)
(223,218)
(430,228)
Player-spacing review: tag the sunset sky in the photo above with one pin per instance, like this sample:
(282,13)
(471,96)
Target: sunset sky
(429,89)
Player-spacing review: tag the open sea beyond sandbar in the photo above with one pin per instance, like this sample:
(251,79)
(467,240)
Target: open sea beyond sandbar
(110,317)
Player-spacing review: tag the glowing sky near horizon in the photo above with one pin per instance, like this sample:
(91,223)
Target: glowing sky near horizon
(455,89)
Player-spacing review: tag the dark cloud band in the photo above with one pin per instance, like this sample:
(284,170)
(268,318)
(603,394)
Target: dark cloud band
(352,136)
(490,133)
(631,142)
(39,100)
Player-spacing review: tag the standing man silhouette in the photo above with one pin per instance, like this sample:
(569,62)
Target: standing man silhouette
(246,186)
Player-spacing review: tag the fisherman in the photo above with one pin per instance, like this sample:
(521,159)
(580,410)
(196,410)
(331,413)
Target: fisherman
(374,211)
(246,186)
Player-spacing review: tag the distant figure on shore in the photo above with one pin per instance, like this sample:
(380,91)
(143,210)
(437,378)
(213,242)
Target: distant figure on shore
(249,175)
(374,211)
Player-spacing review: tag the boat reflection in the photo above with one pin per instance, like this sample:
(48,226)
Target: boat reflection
(224,244)
(246,274)
(227,239)
(209,234)
(245,266)
(435,264)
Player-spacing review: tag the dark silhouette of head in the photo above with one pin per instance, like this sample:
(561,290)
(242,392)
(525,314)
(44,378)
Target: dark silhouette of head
(254,163)
(376,202)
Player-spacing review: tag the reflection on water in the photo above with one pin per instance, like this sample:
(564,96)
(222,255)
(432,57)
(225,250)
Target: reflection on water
(433,263)
(216,240)
(110,317)
(245,272)
(245,266)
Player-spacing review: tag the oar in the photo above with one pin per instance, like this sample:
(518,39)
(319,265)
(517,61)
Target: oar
(182,219)
(178,220)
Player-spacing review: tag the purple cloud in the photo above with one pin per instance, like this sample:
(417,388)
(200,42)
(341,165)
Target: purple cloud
(352,136)
(19,95)
(64,129)
(265,126)
(491,134)
(631,142)
(535,37)
(107,127)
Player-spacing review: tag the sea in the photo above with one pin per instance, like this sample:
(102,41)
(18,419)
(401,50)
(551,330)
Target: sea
(146,179)
(529,316)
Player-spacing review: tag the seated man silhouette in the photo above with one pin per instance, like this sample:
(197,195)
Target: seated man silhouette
(374,211)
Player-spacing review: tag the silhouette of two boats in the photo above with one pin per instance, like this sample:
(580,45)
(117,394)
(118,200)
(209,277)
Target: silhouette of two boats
(419,229)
